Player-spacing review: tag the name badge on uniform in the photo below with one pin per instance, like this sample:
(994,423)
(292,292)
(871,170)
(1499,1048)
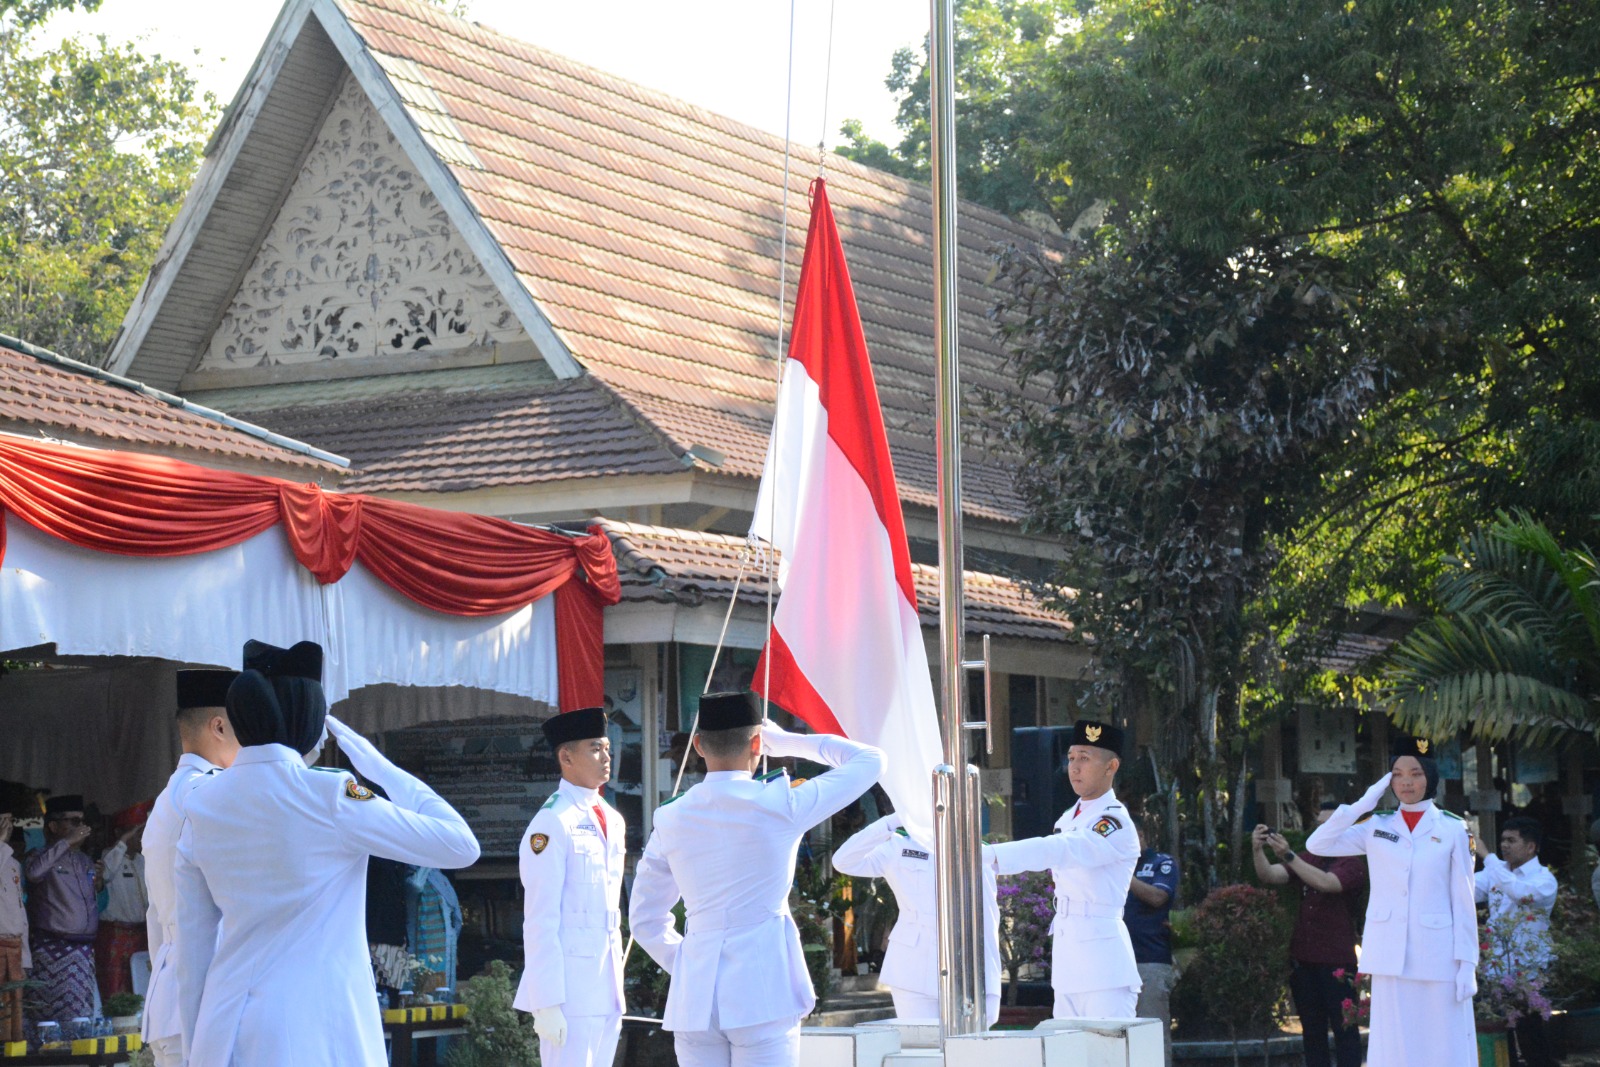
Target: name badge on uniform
(586,829)
(1386,835)
(914,853)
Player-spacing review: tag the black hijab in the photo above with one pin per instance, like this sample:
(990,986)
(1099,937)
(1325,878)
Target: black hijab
(1419,749)
(278,699)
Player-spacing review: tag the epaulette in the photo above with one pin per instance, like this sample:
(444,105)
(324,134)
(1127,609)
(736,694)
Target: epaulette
(901,830)
(771,776)
(669,800)
(1384,813)
(555,798)
(1452,814)
(324,770)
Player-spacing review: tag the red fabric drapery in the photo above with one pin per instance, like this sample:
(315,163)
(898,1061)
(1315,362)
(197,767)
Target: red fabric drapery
(450,562)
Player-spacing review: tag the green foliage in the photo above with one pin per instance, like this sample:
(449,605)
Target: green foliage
(813,901)
(122,1004)
(1445,154)
(1027,908)
(644,983)
(1003,51)
(1239,978)
(498,1035)
(1575,935)
(1515,649)
(98,144)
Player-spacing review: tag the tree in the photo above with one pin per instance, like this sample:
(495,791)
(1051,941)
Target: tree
(1446,155)
(1515,649)
(1003,48)
(98,144)
(1176,414)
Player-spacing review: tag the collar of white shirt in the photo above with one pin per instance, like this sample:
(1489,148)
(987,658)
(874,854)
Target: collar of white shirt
(585,798)
(196,762)
(728,776)
(267,754)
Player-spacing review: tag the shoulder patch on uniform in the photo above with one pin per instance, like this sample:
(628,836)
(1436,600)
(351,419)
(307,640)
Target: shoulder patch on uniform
(552,801)
(356,791)
(798,781)
(1107,825)
(539,842)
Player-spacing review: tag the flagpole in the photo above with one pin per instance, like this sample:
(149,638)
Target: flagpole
(961,970)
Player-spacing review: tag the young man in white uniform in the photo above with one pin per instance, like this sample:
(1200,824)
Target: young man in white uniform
(1091,855)
(571,859)
(1420,943)
(208,746)
(727,848)
(272,873)
(885,849)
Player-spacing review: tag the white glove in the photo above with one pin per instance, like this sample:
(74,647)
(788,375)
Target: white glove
(551,1025)
(776,741)
(1370,798)
(364,756)
(1466,980)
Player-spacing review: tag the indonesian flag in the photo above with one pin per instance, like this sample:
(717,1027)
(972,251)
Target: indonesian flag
(845,652)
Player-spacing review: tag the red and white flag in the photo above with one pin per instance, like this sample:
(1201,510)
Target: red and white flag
(846,651)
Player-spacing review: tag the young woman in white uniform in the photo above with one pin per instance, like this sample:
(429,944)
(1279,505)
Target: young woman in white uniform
(271,878)
(1421,939)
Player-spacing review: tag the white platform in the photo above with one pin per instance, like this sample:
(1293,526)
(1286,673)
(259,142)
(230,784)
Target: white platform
(1054,1043)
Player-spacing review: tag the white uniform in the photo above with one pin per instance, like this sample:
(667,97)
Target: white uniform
(1091,855)
(126,896)
(271,881)
(160,1027)
(1519,904)
(1421,925)
(727,848)
(911,963)
(571,923)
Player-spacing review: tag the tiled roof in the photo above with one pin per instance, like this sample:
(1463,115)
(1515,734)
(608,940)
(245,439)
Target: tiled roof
(656,563)
(647,230)
(61,399)
(439,441)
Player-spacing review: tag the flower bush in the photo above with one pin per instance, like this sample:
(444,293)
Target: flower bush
(1238,982)
(1357,1010)
(1027,907)
(1510,984)
(1574,978)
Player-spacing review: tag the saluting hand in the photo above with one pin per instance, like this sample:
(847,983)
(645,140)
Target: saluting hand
(1374,793)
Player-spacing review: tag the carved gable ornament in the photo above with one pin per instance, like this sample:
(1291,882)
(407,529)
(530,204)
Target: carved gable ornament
(360,263)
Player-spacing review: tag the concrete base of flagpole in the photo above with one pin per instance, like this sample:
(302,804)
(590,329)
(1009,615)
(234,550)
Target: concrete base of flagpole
(1055,1043)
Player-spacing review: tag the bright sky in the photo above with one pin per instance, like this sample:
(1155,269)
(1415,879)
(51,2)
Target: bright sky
(726,55)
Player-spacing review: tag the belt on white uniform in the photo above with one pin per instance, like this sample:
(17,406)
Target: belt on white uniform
(1088,909)
(591,920)
(708,919)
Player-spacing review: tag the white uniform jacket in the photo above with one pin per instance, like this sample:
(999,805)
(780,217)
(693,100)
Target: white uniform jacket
(271,881)
(727,848)
(911,964)
(161,1019)
(571,912)
(1421,921)
(1519,913)
(1091,855)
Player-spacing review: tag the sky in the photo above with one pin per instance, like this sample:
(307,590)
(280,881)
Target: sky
(729,56)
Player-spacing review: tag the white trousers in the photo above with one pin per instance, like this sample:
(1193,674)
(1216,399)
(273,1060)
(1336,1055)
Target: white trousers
(1419,1024)
(1097,1004)
(770,1044)
(167,1051)
(591,1042)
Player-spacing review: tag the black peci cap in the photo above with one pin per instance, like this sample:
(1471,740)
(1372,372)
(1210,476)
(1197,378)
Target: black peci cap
(1420,747)
(62,804)
(1097,735)
(728,711)
(580,725)
(204,688)
(302,660)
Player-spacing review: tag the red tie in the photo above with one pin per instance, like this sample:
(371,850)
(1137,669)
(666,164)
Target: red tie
(1079,812)
(599,813)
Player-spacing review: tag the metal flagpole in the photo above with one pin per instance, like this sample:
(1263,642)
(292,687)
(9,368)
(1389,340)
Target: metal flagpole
(955,802)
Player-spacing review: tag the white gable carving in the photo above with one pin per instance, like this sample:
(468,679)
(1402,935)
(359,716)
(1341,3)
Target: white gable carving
(360,263)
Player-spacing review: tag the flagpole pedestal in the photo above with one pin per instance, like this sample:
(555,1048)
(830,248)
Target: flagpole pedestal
(1054,1043)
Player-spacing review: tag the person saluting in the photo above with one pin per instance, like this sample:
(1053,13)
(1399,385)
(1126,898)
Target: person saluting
(271,876)
(1421,940)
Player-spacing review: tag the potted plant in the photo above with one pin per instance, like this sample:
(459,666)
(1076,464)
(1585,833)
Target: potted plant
(123,1011)
(1573,982)
(497,1033)
(1237,982)
(1508,987)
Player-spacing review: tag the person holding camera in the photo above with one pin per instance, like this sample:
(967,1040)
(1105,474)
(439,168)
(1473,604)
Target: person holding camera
(1322,948)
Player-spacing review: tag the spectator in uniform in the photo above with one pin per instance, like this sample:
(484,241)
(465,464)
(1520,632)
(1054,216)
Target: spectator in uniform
(1322,949)
(122,929)
(1150,898)
(1520,892)
(1420,942)
(14,959)
(62,916)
